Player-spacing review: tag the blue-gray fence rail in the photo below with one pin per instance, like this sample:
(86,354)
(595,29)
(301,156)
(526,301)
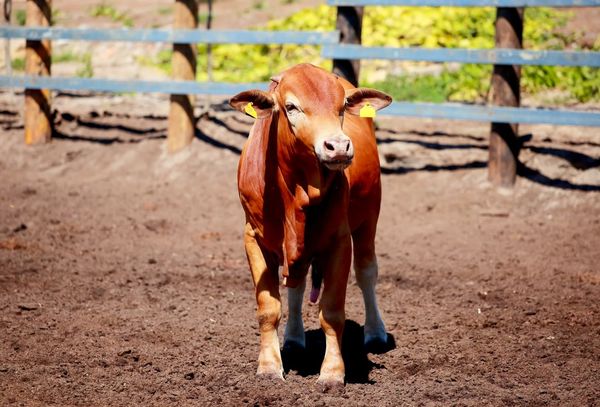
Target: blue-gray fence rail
(331,49)
(172,36)
(426,110)
(497,56)
(468,3)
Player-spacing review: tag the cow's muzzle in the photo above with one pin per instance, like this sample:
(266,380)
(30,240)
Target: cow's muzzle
(336,153)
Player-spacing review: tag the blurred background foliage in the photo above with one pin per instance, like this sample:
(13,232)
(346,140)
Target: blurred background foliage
(450,27)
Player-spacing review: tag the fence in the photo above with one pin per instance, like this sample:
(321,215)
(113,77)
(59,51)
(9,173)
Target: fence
(504,112)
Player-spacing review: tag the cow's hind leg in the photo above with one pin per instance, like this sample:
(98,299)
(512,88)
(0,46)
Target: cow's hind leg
(366,270)
(294,329)
(266,283)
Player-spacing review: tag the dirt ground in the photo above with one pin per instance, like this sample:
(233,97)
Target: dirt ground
(123,279)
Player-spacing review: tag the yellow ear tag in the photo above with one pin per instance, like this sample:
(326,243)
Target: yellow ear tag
(367,111)
(250,110)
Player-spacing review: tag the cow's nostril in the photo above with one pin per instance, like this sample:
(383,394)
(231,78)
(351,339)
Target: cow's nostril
(347,146)
(329,146)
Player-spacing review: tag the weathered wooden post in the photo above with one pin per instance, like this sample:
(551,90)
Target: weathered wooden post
(349,24)
(181,115)
(7,11)
(504,146)
(38,119)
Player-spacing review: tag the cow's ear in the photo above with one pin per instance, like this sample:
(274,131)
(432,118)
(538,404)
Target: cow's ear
(358,98)
(255,103)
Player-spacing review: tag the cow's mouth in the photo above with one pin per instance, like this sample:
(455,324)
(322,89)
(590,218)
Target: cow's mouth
(337,164)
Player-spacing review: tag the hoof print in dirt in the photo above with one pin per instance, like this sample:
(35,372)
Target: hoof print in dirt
(270,376)
(333,387)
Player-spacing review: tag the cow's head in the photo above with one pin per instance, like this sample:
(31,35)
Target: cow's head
(314,103)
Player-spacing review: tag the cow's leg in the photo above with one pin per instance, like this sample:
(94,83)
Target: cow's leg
(365,268)
(294,329)
(266,283)
(336,267)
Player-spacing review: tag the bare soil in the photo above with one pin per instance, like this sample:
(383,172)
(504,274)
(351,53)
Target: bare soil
(123,279)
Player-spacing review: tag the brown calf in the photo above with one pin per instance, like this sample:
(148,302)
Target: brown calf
(309,183)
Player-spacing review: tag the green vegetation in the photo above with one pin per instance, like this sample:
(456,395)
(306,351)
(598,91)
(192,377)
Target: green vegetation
(249,63)
(66,56)
(259,5)
(21,17)
(87,71)
(202,18)
(106,10)
(56,16)
(473,28)
(165,10)
(451,27)
(18,64)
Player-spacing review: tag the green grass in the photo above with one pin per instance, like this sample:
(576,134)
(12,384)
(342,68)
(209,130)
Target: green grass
(422,88)
(106,10)
(202,17)
(21,17)
(18,64)
(56,16)
(163,11)
(162,60)
(87,71)
(259,5)
(66,56)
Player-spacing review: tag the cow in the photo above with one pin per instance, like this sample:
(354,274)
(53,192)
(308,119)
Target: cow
(309,184)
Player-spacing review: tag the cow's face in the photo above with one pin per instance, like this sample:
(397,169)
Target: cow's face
(314,102)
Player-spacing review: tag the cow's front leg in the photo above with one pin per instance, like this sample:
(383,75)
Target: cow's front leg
(266,283)
(335,266)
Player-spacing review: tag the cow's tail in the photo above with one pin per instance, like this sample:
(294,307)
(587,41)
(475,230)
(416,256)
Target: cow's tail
(316,278)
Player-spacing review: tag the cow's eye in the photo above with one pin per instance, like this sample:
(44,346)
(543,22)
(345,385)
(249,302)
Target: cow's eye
(291,108)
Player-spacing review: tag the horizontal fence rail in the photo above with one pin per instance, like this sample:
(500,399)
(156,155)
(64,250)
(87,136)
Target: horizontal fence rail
(468,3)
(172,36)
(453,111)
(456,111)
(497,56)
(111,85)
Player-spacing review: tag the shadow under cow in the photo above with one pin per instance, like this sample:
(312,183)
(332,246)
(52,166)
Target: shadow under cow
(307,361)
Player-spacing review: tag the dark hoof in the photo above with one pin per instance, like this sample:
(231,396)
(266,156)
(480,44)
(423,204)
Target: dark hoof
(378,346)
(293,355)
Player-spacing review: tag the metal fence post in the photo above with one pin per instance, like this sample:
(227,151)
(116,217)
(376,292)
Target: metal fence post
(504,145)
(38,118)
(181,116)
(349,24)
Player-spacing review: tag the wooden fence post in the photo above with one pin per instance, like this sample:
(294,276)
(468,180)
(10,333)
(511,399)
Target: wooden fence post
(349,24)
(504,145)
(38,118)
(181,116)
